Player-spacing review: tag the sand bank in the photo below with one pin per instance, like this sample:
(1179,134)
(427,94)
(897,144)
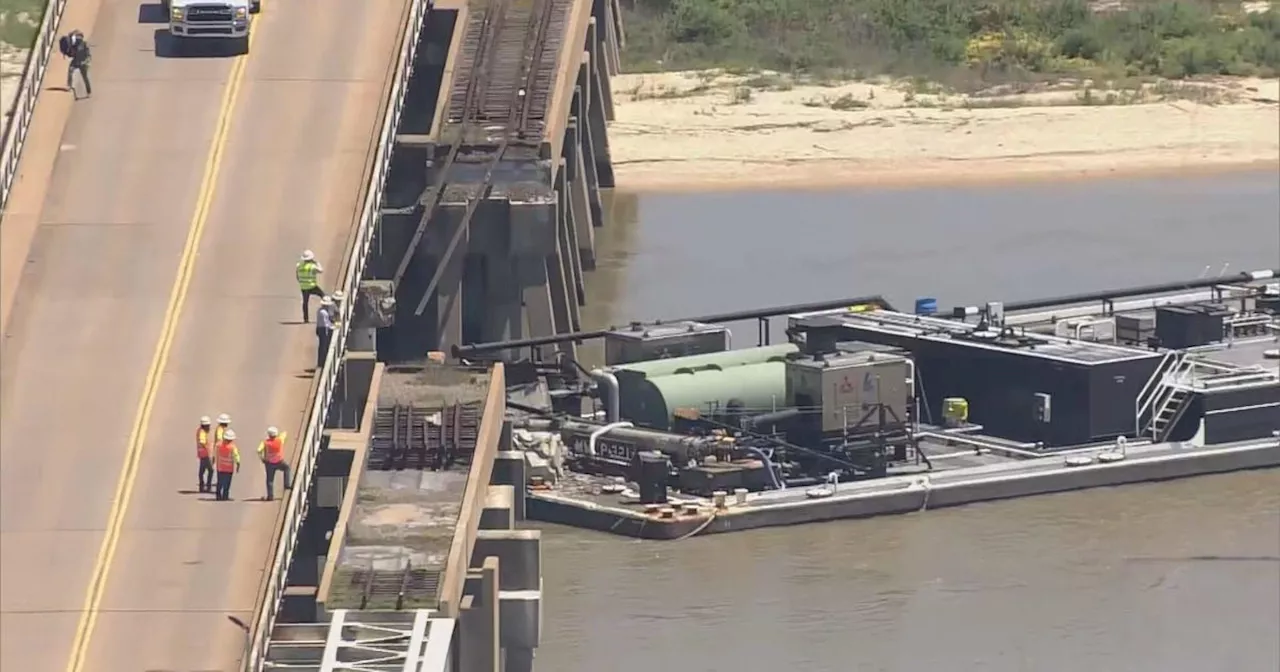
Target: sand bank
(712,130)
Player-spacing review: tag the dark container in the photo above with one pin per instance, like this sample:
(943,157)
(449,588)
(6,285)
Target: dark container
(1239,414)
(1179,327)
(1213,320)
(1268,304)
(1088,401)
(652,477)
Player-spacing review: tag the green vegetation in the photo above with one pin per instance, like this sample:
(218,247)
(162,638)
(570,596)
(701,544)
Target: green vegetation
(19,21)
(956,41)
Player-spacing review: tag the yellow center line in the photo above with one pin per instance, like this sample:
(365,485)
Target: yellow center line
(177,298)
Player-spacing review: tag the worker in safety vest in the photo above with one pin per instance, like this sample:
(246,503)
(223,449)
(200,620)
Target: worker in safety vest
(204,436)
(224,423)
(226,459)
(308,275)
(271,450)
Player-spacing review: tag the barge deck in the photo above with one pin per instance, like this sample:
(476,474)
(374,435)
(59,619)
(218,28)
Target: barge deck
(1099,390)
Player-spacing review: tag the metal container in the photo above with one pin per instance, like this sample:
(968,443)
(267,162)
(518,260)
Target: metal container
(641,343)
(843,387)
(1135,328)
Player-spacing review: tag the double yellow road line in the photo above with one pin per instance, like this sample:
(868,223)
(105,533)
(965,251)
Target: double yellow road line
(159,361)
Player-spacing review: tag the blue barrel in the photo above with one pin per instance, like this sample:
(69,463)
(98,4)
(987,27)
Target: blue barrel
(926,306)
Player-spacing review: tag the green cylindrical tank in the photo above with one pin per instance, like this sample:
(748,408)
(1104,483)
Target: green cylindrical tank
(715,360)
(653,402)
(651,392)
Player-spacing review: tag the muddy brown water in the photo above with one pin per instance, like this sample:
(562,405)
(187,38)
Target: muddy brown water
(1159,577)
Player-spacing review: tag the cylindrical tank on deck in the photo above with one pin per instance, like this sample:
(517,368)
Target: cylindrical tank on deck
(955,411)
(753,381)
(926,305)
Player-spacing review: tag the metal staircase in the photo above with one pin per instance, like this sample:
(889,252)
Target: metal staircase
(1163,400)
(1169,412)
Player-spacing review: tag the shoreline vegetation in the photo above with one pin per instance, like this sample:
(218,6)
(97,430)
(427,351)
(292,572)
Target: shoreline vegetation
(983,90)
(19,22)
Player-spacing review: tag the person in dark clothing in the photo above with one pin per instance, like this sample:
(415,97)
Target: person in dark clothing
(324,330)
(76,49)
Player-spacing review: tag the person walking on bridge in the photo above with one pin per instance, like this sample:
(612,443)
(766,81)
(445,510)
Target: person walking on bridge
(204,479)
(308,275)
(227,462)
(74,47)
(271,450)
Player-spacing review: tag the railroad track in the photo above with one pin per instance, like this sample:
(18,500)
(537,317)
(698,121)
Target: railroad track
(410,437)
(510,60)
(386,589)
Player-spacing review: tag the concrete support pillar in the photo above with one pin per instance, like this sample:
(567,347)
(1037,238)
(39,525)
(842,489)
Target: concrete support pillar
(588,148)
(572,265)
(499,502)
(596,120)
(517,659)
(535,288)
(602,54)
(478,626)
(578,199)
(449,296)
(560,272)
(573,251)
(519,551)
(362,339)
(509,468)
(504,304)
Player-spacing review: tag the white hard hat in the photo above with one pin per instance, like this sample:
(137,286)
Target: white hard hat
(229,435)
(224,419)
(308,255)
(338,295)
(326,301)
(273,432)
(205,421)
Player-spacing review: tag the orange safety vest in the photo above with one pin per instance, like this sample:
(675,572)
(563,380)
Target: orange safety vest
(202,443)
(274,450)
(226,463)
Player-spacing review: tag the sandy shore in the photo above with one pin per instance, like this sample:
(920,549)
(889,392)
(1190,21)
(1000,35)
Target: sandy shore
(711,130)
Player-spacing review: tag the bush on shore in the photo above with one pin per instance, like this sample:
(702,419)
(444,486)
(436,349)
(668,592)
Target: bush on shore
(984,40)
(19,22)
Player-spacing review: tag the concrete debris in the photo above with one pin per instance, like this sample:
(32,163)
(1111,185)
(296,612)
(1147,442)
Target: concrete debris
(376,307)
(544,452)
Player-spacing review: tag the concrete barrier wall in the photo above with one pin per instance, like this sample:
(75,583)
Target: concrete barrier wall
(356,441)
(473,498)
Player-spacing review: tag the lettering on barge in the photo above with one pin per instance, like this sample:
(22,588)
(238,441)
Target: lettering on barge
(606,448)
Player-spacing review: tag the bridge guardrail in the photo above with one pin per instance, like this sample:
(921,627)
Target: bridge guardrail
(24,103)
(299,498)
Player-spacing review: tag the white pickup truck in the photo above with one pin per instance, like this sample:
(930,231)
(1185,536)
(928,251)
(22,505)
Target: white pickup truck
(212,20)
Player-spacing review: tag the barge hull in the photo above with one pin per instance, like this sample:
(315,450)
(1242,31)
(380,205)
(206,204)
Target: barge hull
(908,494)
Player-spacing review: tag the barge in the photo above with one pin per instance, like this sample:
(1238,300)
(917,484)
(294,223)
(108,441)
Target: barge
(867,410)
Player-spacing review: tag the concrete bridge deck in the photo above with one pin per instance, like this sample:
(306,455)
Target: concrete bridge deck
(156,286)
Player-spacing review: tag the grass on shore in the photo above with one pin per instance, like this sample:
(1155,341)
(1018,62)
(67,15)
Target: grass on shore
(965,44)
(737,86)
(19,21)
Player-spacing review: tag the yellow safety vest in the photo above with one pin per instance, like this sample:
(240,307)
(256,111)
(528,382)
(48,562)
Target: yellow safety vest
(306,274)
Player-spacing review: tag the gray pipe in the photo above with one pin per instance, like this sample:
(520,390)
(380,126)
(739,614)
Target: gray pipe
(608,384)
